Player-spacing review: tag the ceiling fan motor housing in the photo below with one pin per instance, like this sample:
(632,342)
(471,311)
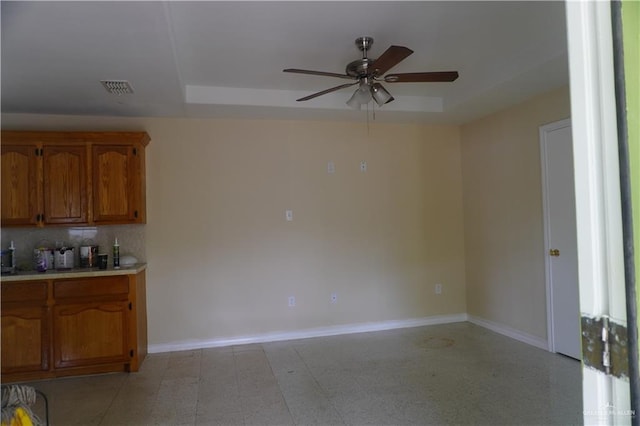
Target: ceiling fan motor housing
(359,68)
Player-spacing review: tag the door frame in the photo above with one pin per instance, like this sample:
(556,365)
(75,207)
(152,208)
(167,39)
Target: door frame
(606,399)
(543,131)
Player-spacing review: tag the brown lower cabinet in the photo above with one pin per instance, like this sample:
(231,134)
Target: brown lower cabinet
(63,327)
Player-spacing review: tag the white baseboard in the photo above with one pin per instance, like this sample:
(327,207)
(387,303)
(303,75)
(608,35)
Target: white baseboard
(510,332)
(305,334)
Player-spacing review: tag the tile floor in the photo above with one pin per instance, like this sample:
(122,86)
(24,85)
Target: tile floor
(445,374)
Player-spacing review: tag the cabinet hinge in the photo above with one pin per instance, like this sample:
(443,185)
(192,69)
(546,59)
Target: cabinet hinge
(130,306)
(605,345)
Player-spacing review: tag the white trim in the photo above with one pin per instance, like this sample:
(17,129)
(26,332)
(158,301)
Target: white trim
(543,131)
(505,330)
(212,95)
(597,183)
(308,333)
(336,330)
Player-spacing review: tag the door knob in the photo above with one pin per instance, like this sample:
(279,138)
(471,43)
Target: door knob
(554,252)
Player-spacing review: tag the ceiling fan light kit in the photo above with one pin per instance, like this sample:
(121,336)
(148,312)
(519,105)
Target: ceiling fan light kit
(380,94)
(361,96)
(368,72)
(353,101)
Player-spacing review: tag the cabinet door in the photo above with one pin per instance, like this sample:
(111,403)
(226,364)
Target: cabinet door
(20,189)
(116,184)
(90,334)
(25,339)
(65,184)
(25,327)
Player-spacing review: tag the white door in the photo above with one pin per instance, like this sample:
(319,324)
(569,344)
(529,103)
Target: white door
(563,300)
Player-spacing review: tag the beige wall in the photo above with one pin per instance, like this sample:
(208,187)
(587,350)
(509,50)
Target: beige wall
(222,260)
(504,240)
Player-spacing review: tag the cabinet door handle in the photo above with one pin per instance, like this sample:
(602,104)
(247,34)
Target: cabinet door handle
(135,214)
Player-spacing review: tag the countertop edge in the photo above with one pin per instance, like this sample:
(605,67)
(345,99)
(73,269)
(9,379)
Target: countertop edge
(75,273)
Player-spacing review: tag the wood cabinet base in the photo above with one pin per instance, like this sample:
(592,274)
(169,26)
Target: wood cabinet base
(68,327)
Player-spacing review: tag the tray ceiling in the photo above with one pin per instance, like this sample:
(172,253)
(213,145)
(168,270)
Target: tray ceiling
(225,59)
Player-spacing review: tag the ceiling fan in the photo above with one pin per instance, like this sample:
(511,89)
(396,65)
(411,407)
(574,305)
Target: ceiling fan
(368,73)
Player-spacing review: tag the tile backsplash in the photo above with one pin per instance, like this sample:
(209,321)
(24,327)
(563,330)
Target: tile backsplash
(130,237)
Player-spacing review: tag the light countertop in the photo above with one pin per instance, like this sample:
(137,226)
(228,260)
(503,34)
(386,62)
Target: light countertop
(73,273)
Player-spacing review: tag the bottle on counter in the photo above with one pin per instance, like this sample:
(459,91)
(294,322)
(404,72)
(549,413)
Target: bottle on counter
(12,250)
(116,255)
(9,260)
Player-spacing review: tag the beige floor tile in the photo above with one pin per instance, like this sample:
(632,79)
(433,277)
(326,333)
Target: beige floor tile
(220,418)
(447,374)
(266,409)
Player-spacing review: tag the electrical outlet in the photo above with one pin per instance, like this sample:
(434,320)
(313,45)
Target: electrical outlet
(331,167)
(438,288)
(334,297)
(288,214)
(363,166)
(292,301)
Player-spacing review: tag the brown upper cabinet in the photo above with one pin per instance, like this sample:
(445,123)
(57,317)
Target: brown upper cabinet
(21,189)
(117,193)
(64,185)
(73,178)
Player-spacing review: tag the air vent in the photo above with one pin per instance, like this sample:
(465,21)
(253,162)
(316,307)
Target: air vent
(117,87)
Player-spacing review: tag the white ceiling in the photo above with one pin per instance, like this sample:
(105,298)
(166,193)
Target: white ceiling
(225,59)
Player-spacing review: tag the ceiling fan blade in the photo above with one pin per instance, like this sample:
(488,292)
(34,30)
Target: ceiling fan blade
(326,74)
(324,92)
(422,77)
(390,58)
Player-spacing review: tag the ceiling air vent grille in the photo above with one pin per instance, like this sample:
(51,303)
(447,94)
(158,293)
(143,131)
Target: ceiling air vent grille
(117,87)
